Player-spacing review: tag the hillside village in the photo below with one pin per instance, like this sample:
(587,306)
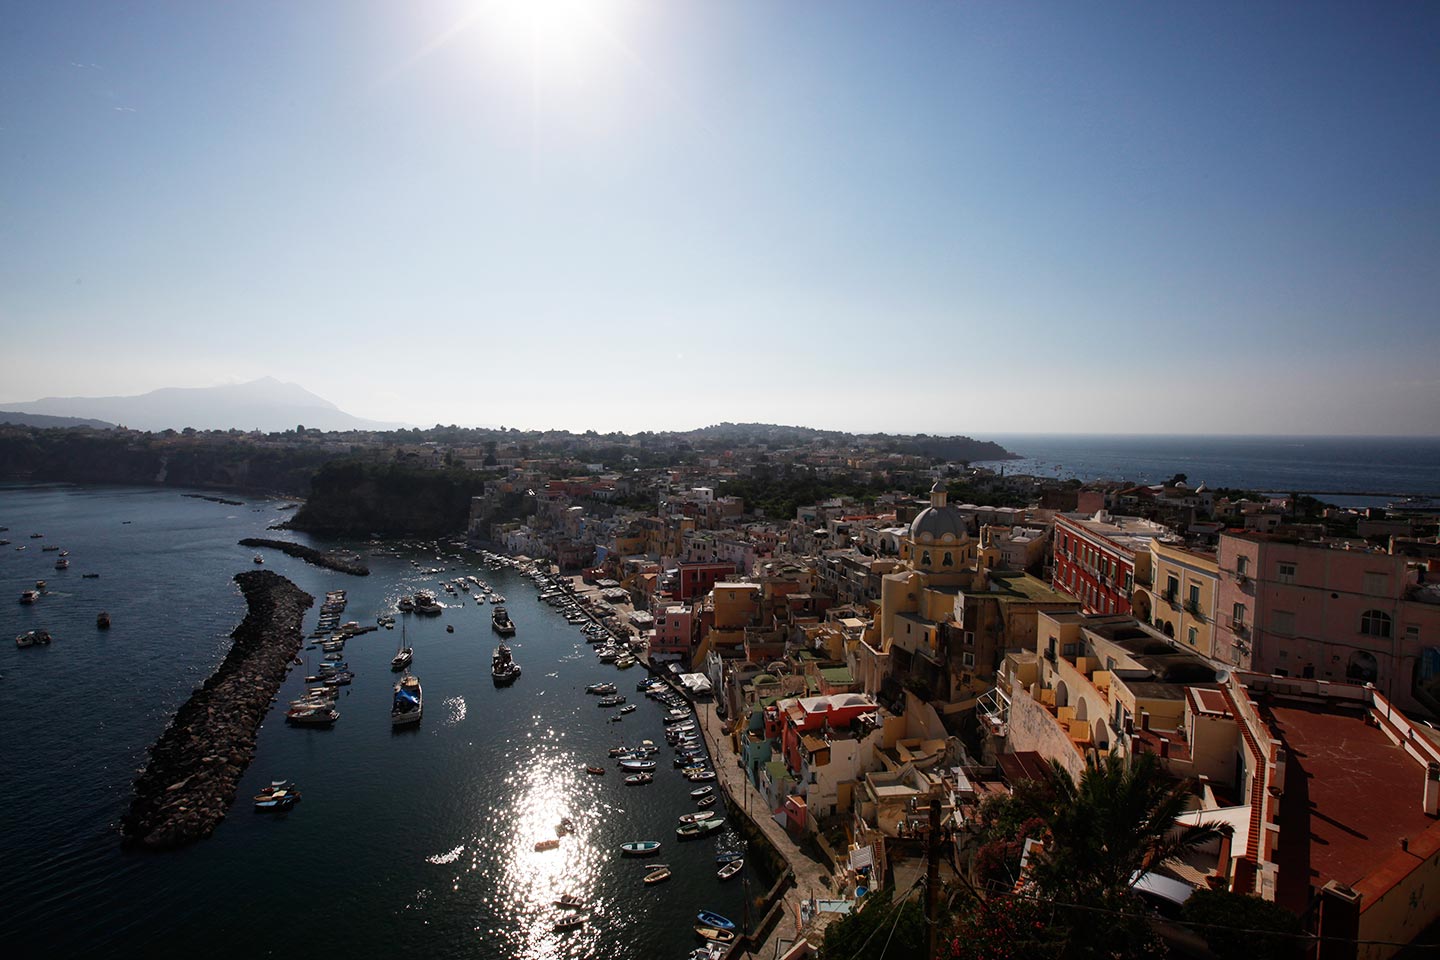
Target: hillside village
(868,656)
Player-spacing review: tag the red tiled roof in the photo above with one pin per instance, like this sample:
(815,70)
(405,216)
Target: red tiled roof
(1350,790)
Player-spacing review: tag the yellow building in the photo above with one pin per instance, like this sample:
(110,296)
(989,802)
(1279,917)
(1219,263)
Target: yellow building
(1181,596)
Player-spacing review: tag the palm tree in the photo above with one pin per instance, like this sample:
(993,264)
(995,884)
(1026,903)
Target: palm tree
(1116,824)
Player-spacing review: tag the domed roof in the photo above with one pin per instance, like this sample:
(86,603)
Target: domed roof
(935,522)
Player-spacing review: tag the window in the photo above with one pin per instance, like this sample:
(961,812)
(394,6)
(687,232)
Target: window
(1283,622)
(1285,573)
(925,558)
(949,560)
(1195,597)
(968,659)
(1190,635)
(1377,584)
(969,638)
(1237,614)
(1129,582)
(1172,588)
(1412,632)
(1242,565)
(1375,623)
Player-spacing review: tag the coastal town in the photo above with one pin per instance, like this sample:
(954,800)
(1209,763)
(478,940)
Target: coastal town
(877,673)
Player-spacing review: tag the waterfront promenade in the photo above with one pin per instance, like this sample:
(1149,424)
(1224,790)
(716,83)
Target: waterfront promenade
(812,876)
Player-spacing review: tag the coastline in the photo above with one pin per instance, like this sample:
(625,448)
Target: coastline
(194,767)
(320,558)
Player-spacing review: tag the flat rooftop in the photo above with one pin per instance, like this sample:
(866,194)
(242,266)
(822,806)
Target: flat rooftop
(1352,791)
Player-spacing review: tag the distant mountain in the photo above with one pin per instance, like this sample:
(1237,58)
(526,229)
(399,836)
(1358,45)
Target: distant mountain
(265,404)
(42,421)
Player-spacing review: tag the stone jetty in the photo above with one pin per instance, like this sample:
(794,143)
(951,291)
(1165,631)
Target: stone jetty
(190,780)
(331,561)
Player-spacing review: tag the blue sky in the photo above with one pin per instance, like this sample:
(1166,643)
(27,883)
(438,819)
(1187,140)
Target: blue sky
(911,216)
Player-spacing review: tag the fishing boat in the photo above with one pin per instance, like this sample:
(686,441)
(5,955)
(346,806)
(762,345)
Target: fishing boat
(705,801)
(595,771)
(714,934)
(695,817)
(569,923)
(730,869)
(312,716)
(409,701)
(628,708)
(657,876)
(699,792)
(62,564)
(426,605)
(687,831)
(639,848)
(503,668)
(102,620)
(33,638)
(714,921)
(699,776)
(637,766)
(570,902)
(500,621)
(639,779)
(613,700)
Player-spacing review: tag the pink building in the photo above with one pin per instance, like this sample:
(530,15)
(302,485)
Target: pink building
(1331,610)
(674,633)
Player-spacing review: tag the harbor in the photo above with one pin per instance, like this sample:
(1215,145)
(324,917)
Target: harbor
(433,824)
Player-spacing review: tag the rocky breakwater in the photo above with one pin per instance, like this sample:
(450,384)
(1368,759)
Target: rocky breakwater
(195,766)
(331,560)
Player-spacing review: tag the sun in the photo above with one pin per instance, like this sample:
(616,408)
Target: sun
(552,37)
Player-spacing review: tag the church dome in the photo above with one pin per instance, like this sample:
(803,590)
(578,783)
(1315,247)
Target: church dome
(938,521)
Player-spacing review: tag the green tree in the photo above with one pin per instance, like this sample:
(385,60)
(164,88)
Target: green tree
(882,929)
(1115,824)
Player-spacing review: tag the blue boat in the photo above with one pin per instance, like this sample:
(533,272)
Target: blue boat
(709,919)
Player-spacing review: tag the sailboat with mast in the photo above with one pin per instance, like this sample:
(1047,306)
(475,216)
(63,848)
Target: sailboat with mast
(404,655)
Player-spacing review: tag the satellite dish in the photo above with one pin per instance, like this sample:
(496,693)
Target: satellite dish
(1222,676)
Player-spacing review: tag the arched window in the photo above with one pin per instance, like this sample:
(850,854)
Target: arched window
(949,560)
(925,559)
(1362,667)
(1375,623)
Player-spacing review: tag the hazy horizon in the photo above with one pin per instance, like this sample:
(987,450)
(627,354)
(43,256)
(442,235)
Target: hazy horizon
(1039,219)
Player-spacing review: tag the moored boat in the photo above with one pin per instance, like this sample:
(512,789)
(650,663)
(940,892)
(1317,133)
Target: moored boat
(639,779)
(714,920)
(503,668)
(500,621)
(312,716)
(657,876)
(409,702)
(730,869)
(714,934)
(639,848)
(102,620)
(33,638)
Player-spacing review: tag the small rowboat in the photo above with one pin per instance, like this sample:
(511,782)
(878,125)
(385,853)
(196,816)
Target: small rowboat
(713,934)
(702,791)
(570,902)
(638,779)
(705,801)
(657,876)
(569,923)
(597,771)
(714,921)
(695,817)
(638,848)
(542,845)
(730,869)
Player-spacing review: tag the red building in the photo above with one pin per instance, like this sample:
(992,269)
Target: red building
(815,715)
(1098,559)
(696,579)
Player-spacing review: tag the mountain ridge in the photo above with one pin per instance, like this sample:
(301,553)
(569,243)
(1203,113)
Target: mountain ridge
(265,404)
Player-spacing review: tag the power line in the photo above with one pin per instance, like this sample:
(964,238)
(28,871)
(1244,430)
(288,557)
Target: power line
(894,909)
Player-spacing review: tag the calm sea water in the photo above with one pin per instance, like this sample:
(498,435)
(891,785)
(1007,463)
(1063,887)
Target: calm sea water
(1350,465)
(419,842)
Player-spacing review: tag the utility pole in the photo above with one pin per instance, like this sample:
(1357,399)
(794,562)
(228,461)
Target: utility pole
(932,883)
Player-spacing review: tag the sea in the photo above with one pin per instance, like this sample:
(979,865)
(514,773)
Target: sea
(413,842)
(1346,471)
